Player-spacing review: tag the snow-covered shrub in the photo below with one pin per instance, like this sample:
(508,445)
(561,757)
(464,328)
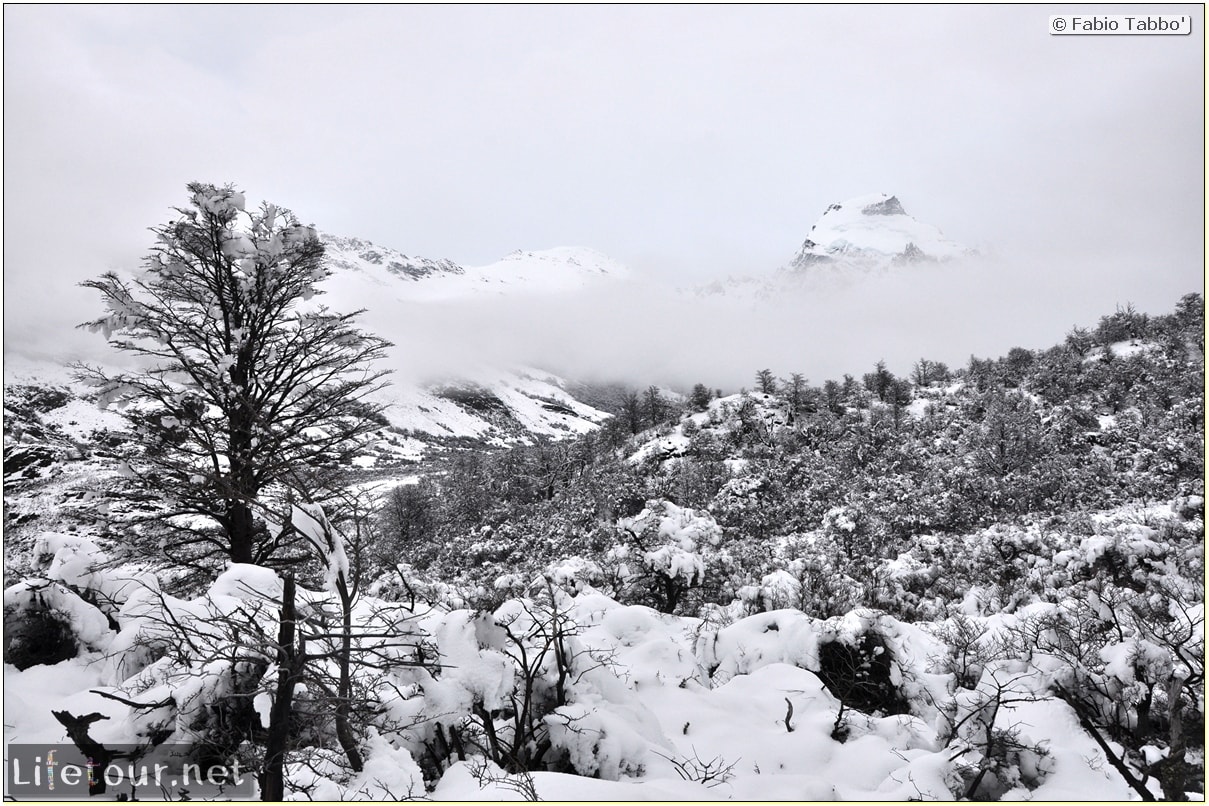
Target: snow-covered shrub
(45,622)
(1190,508)
(574,574)
(744,504)
(598,742)
(602,729)
(663,554)
(208,672)
(416,590)
(67,558)
(778,590)
(493,680)
(69,607)
(821,571)
(389,774)
(1125,554)
(903,586)
(969,647)
(869,661)
(203,660)
(1117,659)
(994,753)
(780,636)
(859,666)
(860,535)
(518,688)
(992,570)
(83,567)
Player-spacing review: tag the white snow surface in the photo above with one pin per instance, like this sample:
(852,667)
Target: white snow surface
(649,695)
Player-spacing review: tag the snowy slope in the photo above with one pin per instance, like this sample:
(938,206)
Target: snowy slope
(59,447)
(364,272)
(500,406)
(354,252)
(563,268)
(53,421)
(873,230)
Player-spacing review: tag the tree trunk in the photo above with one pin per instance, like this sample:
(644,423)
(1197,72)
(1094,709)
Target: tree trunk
(290,660)
(97,753)
(671,594)
(1143,728)
(1173,770)
(243,482)
(239,516)
(344,692)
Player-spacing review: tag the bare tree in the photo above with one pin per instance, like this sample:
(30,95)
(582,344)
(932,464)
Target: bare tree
(243,383)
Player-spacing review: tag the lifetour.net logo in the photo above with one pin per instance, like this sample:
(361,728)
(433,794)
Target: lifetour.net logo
(63,772)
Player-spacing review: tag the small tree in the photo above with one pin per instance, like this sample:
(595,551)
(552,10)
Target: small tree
(1190,313)
(1080,341)
(833,397)
(700,397)
(1126,323)
(409,520)
(244,385)
(766,383)
(851,392)
(655,405)
(899,397)
(926,372)
(879,381)
(631,411)
(796,392)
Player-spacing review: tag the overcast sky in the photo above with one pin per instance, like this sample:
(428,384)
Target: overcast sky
(685,142)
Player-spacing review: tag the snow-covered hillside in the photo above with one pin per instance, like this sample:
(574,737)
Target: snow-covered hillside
(499,406)
(63,469)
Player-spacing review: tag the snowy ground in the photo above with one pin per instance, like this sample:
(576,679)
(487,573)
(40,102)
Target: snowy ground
(655,706)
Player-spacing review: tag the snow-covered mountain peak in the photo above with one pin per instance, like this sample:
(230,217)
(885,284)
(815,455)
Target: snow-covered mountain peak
(853,240)
(873,231)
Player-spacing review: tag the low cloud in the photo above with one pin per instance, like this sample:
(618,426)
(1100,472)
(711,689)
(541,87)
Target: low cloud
(642,332)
